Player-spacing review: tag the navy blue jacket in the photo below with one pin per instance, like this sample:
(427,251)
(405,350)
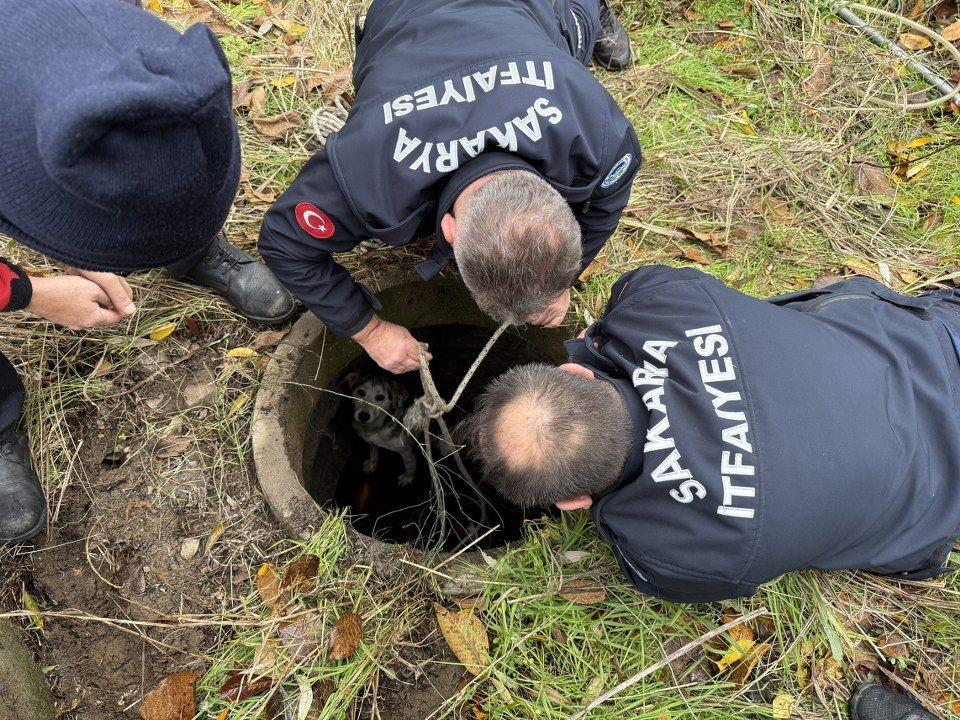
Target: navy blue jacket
(819,429)
(447,91)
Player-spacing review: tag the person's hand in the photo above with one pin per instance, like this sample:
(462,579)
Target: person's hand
(554,313)
(73,301)
(391,346)
(115,286)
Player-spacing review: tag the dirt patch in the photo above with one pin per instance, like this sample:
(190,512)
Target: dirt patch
(117,568)
(427,675)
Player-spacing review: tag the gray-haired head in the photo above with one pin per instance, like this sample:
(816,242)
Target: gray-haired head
(542,435)
(518,245)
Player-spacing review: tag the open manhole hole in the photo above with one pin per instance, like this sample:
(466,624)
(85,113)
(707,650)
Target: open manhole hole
(309,455)
(379,505)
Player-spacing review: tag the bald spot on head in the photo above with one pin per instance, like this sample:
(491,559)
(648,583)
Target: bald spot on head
(529,435)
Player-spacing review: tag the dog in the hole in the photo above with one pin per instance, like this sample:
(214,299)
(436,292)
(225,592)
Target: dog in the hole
(375,400)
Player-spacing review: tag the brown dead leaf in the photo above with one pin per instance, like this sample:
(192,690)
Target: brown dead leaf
(894,645)
(278,126)
(917,9)
(241,94)
(944,11)
(951,32)
(268,585)
(466,636)
(819,79)
(741,670)
(913,41)
(173,446)
(345,637)
(692,15)
(301,573)
(871,180)
(303,636)
(174,698)
(257,101)
(592,269)
(582,591)
(322,690)
(862,267)
(240,686)
(268,339)
(697,256)
(102,367)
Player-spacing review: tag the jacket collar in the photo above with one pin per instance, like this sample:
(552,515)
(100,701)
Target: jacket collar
(479,166)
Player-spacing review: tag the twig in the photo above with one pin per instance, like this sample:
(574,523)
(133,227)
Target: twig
(666,661)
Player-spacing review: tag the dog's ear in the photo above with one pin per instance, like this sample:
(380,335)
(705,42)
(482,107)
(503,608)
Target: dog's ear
(352,380)
(400,396)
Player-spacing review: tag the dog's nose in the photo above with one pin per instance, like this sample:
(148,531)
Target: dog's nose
(363,416)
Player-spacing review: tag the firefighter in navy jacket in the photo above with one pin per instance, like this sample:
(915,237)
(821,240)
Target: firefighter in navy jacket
(450,93)
(721,440)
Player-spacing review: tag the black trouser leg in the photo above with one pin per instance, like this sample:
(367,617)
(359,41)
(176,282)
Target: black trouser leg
(11,395)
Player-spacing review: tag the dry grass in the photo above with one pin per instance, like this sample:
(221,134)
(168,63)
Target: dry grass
(751,134)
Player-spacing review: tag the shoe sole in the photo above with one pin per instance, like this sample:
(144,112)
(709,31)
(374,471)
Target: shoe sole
(610,68)
(271,320)
(31,533)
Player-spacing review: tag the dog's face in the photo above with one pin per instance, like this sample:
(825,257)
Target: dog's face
(375,399)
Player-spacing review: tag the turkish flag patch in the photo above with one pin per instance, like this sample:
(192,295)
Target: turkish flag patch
(314,221)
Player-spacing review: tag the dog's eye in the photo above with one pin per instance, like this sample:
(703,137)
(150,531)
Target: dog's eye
(380,397)
(361,393)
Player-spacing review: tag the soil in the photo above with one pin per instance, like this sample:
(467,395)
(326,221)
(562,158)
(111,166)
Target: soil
(114,552)
(428,675)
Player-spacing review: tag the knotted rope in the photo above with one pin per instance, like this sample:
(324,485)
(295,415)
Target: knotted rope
(431,407)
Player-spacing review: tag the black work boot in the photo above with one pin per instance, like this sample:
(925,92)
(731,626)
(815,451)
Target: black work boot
(612,47)
(249,285)
(23,510)
(875,702)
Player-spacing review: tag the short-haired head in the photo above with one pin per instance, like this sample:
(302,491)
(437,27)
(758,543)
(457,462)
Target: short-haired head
(543,435)
(518,245)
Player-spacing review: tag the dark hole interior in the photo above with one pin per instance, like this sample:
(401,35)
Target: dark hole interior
(378,506)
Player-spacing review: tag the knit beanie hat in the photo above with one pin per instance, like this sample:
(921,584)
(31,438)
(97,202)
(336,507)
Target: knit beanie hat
(118,148)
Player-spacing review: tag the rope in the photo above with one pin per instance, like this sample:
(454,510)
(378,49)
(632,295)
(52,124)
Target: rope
(430,407)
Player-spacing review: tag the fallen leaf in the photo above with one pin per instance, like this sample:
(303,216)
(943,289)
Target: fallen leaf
(241,352)
(173,446)
(782,706)
(913,41)
(257,101)
(102,367)
(742,642)
(697,256)
(951,32)
(322,690)
(222,715)
(237,405)
(871,180)
(278,126)
(741,670)
(466,636)
(862,267)
(268,338)
(193,326)
(303,636)
(917,10)
(345,636)
(582,591)
(30,605)
(162,332)
(819,79)
(214,536)
(591,269)
(917,170)
(746,125)
(189,548)
(575,556)
(155,6)
(894,645)
(240,686)
(174,698)
(692,15)
(268,585)
(284,81)
(301,573)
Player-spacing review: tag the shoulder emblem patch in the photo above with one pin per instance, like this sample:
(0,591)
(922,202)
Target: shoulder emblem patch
(314,221)
(617,171)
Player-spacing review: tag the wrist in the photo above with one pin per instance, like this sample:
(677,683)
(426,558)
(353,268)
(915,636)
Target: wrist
(18,290)
(368,330)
